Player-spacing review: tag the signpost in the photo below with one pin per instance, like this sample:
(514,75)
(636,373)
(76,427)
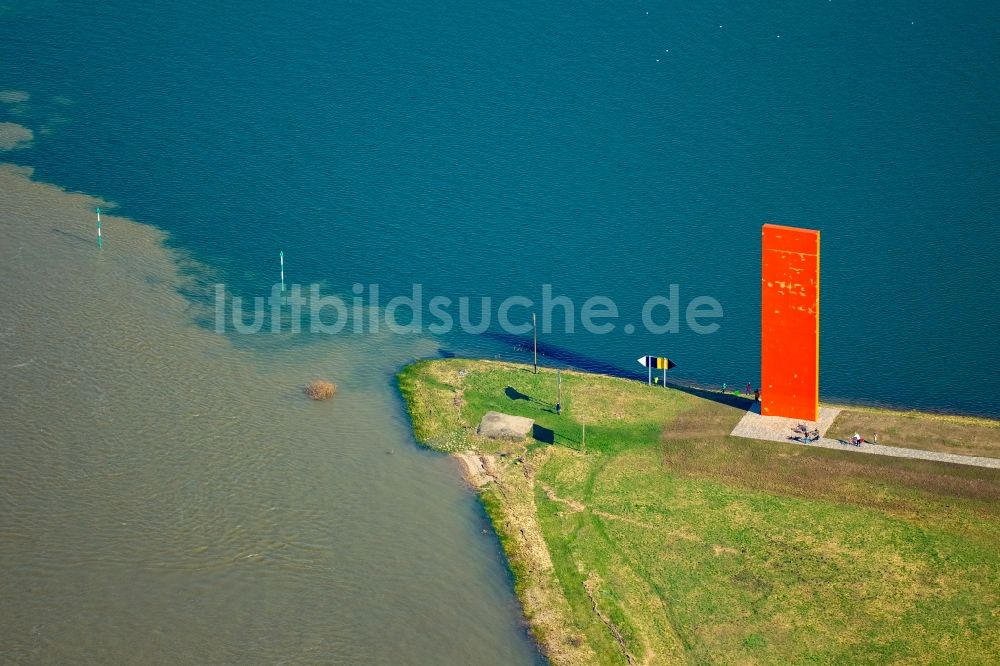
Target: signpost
(558,391)
(658,362)
(534,332)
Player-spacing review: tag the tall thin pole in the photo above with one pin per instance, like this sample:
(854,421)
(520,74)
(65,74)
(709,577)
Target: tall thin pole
(100,241)
(281,256)
(664,373)
(558,391)
(534,330)
(649,372)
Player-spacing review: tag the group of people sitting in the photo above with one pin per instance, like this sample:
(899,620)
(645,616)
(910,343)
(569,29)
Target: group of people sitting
(805,435)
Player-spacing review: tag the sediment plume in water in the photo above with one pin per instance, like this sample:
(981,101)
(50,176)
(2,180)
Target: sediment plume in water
(167,496)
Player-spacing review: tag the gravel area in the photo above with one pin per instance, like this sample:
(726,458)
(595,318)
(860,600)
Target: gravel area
(779,429)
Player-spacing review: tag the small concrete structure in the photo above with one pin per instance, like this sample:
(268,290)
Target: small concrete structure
(505,426)
(779,428)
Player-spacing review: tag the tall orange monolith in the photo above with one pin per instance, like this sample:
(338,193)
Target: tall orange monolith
(789,354)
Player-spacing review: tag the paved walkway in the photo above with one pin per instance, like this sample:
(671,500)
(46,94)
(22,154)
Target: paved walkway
(780,429)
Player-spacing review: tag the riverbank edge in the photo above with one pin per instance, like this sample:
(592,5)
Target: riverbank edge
(505,486)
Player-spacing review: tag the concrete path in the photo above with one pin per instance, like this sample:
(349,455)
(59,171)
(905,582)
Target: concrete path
(779,429)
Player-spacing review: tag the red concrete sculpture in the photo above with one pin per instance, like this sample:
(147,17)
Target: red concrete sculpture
(789,354)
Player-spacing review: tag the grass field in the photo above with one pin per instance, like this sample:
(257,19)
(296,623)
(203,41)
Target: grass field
(964,435)
(663,540)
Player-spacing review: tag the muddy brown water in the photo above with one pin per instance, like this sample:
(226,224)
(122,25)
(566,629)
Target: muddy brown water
(168,496)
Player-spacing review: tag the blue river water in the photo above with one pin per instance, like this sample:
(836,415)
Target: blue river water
(605,148)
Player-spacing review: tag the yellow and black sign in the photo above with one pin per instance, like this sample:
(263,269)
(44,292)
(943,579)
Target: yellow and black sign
(658,362)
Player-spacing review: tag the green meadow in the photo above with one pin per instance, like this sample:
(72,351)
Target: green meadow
(658,538)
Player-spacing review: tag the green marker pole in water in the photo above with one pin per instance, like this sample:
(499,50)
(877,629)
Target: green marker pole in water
(281,256)
(100,241)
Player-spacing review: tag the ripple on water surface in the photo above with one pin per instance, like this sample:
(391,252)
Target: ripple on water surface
(169,496)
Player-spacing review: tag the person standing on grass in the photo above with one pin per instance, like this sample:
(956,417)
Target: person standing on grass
(749,388)
(875,438)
